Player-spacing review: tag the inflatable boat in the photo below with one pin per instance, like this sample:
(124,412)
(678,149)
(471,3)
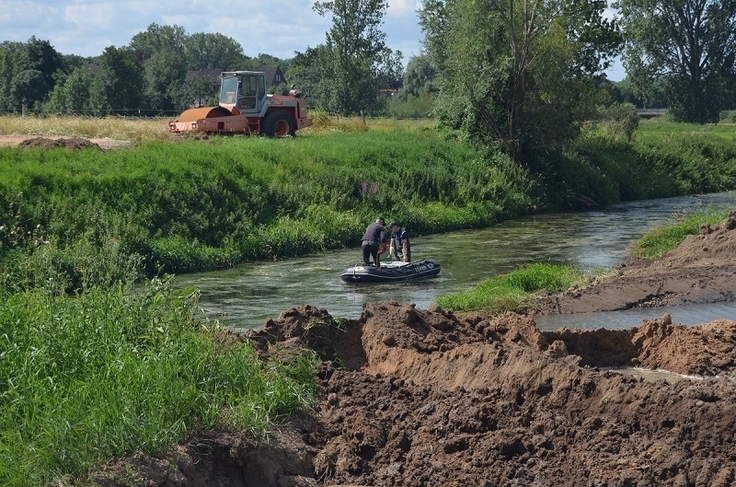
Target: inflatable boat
(391,271)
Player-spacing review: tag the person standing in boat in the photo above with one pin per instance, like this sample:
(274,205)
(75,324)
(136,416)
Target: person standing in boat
(374,242)
(400,248)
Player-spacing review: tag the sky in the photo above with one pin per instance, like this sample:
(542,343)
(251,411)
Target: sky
(276,27)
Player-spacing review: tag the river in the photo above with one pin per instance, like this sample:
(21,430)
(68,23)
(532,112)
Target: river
(245,296)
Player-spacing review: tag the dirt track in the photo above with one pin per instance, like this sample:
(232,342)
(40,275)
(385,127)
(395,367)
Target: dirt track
(427,398)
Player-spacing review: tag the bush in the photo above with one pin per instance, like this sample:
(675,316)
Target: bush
(620,120)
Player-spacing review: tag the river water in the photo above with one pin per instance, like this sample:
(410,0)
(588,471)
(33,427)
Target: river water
(246,296)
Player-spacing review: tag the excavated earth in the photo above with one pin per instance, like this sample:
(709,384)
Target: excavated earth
(414,397)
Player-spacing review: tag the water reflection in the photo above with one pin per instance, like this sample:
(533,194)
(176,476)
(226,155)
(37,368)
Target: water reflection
(244,297)
(691,314)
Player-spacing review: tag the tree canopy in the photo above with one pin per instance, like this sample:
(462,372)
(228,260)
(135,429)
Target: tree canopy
(518,73)
(345,74)
(689,45)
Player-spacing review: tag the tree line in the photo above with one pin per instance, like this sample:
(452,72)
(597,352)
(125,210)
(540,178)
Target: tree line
(147,76)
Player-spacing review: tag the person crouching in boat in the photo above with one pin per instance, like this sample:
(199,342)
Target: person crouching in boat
(400,248)
(374,242)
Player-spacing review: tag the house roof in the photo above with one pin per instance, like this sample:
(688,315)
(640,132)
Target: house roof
(270,71)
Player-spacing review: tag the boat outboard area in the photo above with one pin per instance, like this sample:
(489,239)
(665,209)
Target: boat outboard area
(393,271)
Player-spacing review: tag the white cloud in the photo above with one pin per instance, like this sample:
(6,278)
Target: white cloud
(87,27)
(403,8)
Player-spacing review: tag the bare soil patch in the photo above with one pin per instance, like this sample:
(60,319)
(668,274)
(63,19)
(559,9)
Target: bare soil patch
(74,143)
(412,397)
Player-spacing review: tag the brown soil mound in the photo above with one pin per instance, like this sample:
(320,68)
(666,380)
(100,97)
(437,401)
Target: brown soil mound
(412,397)
(74,143)
(433,399)
(61,141)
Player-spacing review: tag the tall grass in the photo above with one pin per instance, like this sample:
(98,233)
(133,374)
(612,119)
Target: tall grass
(119,128)
(204,204)
(512,291)
(661,240)
(113,371)
(201,204)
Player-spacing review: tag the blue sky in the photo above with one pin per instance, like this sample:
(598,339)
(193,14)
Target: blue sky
(279,28)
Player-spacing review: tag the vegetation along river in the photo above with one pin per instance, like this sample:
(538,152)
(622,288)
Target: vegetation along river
(246,296)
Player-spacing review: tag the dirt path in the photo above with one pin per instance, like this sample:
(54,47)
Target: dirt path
(427,398)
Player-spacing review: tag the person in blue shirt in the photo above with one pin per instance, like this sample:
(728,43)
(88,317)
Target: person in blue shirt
(374,242)
(400,248)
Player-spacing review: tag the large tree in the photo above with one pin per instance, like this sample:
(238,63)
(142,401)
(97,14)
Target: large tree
(355,60)
(518,73)
(71,95)
(27,72)
(118,86)
(160,52)
(687,44)
(213,51)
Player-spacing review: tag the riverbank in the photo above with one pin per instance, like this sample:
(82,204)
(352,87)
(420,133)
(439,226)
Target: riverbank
(701,269)
(418,397)
(183,206)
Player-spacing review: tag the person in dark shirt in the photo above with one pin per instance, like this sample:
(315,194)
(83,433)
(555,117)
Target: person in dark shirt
(374,242)
(400,246)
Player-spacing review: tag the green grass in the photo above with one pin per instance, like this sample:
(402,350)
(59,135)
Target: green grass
(206,204)
(512,291)
(658,128)
(111,372)
(661,240)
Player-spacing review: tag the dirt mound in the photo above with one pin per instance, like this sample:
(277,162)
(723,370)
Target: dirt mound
(74,143)
(411,397)
(437,399)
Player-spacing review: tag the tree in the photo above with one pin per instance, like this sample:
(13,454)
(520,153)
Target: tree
(198,90)
(71,94)
(27,72)
(518,73)
(163,75)
(687,44)
(310,71)
(419,77)
(356,60)
(158,38)
(213,51)
(7,70)
(118,85)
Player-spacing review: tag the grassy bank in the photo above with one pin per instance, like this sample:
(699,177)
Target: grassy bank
(661,240)
(115,371)
(204,204)
(512,291)
(198,205)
